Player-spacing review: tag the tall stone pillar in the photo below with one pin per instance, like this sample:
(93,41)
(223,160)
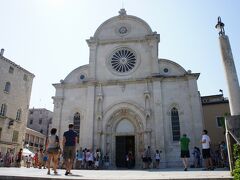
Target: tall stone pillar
(92,43)
(230,70)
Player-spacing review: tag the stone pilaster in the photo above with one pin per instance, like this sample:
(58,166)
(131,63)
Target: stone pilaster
(99,116)
(92,43)
(158,119)
(57,118)
(89,132)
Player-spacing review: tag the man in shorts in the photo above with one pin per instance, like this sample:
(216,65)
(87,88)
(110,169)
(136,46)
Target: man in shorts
(184,143)
(206,150)
(69,148)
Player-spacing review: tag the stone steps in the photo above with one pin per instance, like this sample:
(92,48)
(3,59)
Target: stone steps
(159,174)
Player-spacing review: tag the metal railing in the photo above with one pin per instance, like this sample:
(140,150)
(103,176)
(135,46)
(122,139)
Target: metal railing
(232,125)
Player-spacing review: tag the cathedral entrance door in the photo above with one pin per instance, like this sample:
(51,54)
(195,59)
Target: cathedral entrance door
(124,145)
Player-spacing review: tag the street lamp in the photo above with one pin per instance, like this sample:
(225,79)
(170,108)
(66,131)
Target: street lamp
(229,68)
(220,27)
(232,123)
(221,91)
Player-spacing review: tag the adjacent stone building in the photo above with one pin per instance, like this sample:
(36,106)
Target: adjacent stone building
(127,98)
(39,120)
(34,140)
(15,92)
(215,109)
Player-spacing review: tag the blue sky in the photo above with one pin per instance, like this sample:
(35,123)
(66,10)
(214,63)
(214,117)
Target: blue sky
(47,37)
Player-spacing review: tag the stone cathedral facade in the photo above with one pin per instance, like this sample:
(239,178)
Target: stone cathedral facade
(127,98)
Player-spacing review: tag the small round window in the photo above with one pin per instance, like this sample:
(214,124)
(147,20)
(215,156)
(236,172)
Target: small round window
(82,77)
(122,30)
(123,60)
(165,70)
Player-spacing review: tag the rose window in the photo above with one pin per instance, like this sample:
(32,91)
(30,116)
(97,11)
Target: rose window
(123,60)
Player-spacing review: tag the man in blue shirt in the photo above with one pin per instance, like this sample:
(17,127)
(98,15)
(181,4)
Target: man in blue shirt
(69,147)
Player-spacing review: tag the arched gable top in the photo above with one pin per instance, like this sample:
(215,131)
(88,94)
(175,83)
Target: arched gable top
(76,114)
(125,126)
(174,107)
(119,110)
(123,105)
(77,75)
(170,68)
(133,27)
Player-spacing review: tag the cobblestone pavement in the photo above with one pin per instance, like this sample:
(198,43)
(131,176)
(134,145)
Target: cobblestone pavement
(35,174)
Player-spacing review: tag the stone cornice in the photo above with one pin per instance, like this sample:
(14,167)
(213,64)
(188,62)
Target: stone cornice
(156,77)
(11,119)
(9,143)
(153,36)
(39,109)
(34,132)
(16,66)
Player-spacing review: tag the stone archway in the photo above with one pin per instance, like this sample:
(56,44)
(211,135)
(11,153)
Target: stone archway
(127,124)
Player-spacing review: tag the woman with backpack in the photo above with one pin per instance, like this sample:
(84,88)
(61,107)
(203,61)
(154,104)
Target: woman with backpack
(52,150)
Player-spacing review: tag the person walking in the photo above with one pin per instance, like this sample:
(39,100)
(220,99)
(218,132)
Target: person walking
(69,148)
(184,143)
(40,158)
(97,157)
(28,161)
(44,159)
(52,150)
(148,156)
(223,153)
(19,158)
(157,159)
(35,159)
(79,158)
(196,155)
(206,153)
(130,160)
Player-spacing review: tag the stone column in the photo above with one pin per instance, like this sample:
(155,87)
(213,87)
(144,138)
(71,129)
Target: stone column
(57,116)
(92,43)
(231,75)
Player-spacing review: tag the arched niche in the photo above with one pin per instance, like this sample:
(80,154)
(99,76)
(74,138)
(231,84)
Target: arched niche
(125,126)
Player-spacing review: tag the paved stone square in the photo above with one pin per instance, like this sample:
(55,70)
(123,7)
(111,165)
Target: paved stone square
(179,174)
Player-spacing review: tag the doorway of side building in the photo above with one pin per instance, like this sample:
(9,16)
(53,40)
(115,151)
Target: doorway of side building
(124,145)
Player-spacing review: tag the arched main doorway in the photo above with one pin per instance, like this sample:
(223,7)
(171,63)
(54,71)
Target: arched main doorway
(125,144)
(124,131)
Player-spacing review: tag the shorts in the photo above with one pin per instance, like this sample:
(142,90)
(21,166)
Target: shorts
(53,150)
(185,154)
(206,153)
(80,159)
(69,152)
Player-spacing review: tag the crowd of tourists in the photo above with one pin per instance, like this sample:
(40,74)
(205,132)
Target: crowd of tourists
(212,158)
(88,159)
(68,157)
